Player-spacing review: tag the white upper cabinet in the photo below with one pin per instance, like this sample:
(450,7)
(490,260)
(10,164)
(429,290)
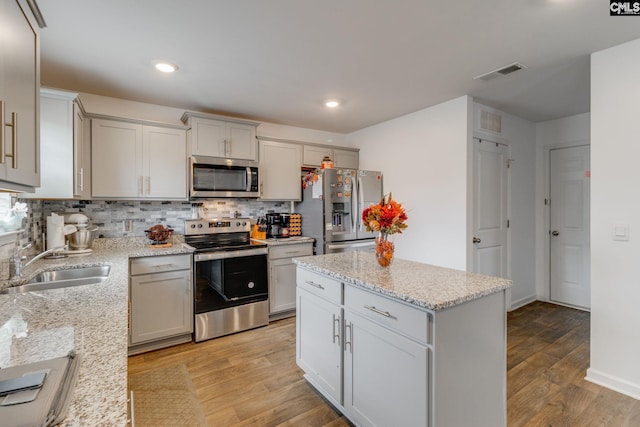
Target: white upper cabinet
(342,158)
(135,161)
(212,136)
(19,97)
(280,177)
(64,172)
(346,159)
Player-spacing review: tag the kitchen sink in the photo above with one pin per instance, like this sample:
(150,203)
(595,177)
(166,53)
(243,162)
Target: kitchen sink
(62,279)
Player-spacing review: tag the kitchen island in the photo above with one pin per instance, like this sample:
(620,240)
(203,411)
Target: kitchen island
(412,344)
(90,319)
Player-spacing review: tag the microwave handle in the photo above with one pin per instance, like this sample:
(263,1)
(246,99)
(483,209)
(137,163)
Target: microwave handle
(248,186)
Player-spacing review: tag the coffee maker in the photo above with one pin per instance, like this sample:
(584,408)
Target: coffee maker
(278,225)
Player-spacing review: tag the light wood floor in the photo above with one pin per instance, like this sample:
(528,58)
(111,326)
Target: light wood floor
(251,378)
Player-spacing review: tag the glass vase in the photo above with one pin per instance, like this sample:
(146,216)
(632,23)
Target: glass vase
(384,249)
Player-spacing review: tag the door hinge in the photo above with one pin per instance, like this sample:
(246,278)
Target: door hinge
(508,223)
(547,202)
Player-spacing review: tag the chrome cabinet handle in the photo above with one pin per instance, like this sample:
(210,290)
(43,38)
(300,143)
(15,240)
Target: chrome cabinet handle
(2,138)
(132,420)
(14,139)
(81,179)
(317,285)
(148,185)
(349,341)
(477,240)
(336,335)
(376,310)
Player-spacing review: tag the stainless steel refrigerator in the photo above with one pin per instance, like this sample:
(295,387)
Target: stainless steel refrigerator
(332,207)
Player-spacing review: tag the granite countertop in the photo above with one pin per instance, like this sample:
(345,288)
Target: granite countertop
(286,240)
(90,319)
(428,286)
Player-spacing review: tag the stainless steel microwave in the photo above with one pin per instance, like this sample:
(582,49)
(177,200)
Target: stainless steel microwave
(212,177)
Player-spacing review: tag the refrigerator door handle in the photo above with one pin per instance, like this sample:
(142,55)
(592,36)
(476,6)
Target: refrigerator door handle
(355,212)
(360,201)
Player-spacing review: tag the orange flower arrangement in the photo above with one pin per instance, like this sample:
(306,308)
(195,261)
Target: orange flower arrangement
(387,217)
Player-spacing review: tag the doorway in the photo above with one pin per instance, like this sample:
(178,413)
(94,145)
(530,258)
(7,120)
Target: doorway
(569,226)
(490,208)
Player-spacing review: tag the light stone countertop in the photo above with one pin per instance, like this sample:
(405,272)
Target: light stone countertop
(286,240)
(427,286)
(90,319)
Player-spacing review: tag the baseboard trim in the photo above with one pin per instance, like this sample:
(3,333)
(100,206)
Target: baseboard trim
(522,302)
(614,383)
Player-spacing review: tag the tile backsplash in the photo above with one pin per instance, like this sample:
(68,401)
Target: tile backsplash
(112,216)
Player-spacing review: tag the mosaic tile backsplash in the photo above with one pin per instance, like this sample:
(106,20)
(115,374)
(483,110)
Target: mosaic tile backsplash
(114,217)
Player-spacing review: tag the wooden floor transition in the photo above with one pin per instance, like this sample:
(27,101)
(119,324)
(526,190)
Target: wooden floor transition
(251,378)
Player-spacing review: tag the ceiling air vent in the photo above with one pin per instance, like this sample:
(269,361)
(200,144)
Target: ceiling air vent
(490,121)
(511,68)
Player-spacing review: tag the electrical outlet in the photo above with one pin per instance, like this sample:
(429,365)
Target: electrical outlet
(127,225)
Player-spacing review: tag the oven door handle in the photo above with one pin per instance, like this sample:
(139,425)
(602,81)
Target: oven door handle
(209,256)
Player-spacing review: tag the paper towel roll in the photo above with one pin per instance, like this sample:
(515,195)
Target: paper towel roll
(55,231)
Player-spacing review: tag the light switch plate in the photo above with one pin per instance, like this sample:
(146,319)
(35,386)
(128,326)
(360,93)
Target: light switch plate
(621,231)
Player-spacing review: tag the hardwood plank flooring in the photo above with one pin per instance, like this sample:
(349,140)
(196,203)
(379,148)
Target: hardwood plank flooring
(251,378)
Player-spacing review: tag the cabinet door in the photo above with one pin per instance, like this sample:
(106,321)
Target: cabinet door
(282,285)
(280,171)
(313,155)
(345,159)
(81,154)
(241,142)
(165,158)
(208,138)
(56,131)
(116,159)
(318,343)
(161,306)
(20,92)
(385,376)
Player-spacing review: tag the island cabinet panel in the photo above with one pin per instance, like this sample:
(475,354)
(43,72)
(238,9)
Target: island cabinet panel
(385,375)
(319,346)
(406,361)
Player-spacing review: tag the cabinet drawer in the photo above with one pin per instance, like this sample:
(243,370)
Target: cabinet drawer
(319,284)
(290,251)
(157,264)
(403,318)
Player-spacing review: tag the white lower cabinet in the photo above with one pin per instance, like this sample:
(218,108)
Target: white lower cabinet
(161,302)
(319,337)
(383,362)
(385,375)
(282,276)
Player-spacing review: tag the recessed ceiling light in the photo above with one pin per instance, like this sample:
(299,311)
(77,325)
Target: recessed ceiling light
(166,67)
(332,103)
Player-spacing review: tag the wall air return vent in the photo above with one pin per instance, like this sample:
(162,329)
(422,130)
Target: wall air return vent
(511,68)
(490,121)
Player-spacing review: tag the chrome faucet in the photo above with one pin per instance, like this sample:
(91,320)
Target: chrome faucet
(16,266)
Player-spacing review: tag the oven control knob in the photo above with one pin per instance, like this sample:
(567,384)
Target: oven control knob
(251,285)
(199,225)
(238,224)
(193,226)
(244,223)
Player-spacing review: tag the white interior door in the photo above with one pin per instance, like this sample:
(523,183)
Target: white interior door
(490,202)
(569,226)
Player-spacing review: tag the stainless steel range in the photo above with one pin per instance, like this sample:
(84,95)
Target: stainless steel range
(230,277)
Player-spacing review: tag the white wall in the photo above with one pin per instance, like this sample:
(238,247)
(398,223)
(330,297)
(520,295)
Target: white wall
(423,157)
(615,265)
(553,133)
(520,134)
(117,107)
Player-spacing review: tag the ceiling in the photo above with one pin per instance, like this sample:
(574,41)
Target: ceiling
(279,60)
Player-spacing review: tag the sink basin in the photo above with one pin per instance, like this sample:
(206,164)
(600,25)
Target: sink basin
(62,279)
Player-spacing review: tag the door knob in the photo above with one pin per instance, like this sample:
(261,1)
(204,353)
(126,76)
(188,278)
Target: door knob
(555,233)
(476,240)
